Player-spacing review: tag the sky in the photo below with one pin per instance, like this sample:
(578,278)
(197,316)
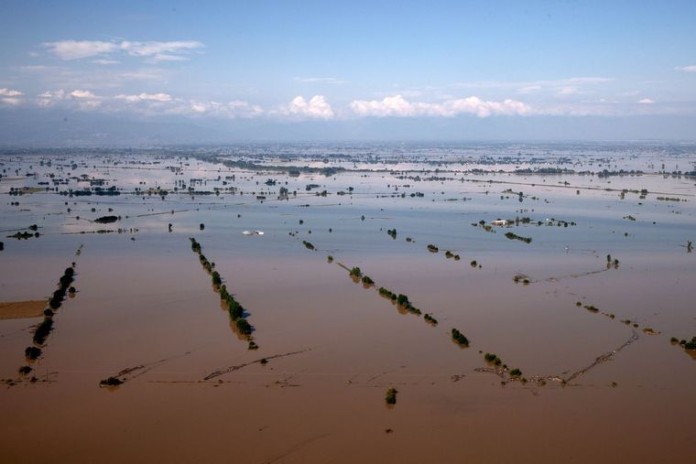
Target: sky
(110,72)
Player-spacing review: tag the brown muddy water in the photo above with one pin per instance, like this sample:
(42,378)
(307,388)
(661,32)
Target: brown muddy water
(600,379)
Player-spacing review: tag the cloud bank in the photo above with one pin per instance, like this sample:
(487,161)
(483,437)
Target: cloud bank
(400,107)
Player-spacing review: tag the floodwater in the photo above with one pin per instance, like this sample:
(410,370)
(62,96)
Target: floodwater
(600,379)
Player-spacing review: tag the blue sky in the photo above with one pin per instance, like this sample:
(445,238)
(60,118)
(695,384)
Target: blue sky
(333,67)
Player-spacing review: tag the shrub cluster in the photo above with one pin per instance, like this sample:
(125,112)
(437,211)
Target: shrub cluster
(459,338)
(514,236)
(390,397)
(400,299)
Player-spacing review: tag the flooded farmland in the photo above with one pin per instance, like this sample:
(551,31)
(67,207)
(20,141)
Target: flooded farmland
(349,303)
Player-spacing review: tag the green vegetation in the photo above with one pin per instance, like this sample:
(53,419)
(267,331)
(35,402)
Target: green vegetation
(235,310)
(195,246)
(356,272)
(32,352)
(367,280)
(390,397)
(110,382)
(689,345)
(430,319)
(515,373)
(217,280)
(521,278)
(106,219)
(24,235)
(514,236)
(493,359)
(387,293)
(308,245)
(459,338)
(432,248)
(392,233)
(403,301)
(243,326)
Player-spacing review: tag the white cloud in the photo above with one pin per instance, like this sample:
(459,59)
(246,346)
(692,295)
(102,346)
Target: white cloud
(77,49)
(319,80)
(155,50)
(483,109)
(153,97)
(527,89)
(49,98)
(10,97)
(690,68)
(160,51)
(568,90)
(86,100)
(646,101)
(105,62)
(589,80)
(4,92)
(316,107)
(233,109)
(388,106)
(11,101)
(82,94)
(397,105)
(83,99)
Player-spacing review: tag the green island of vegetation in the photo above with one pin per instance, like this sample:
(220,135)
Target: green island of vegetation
(235,310)
(459,338)
(514,236)
(390,396)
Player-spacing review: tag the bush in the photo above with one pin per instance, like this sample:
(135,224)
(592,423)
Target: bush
(42,331)
(690,345)
(459,338)
(390,397)
(217,280)
(111,382)
(243,326)
(32,352)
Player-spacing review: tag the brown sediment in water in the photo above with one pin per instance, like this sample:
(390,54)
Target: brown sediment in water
(22,309)
(140,302)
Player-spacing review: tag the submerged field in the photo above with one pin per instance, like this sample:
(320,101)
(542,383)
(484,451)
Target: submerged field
(565,271)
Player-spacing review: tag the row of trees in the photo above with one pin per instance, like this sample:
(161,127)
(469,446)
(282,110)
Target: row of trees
(43,330)
(235,310)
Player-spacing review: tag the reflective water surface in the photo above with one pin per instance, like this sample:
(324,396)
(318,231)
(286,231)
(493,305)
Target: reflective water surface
(585,310)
